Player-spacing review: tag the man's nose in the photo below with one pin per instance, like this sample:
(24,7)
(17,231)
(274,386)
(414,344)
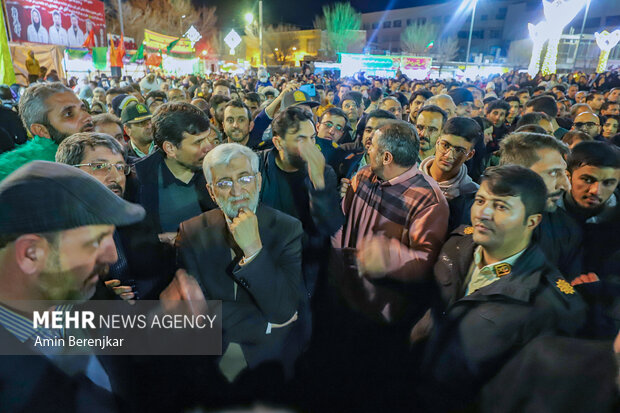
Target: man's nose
(108,254)
(563,183)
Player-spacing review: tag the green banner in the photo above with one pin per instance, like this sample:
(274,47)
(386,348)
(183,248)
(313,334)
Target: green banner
(7,73)
(76,53)
(100,57)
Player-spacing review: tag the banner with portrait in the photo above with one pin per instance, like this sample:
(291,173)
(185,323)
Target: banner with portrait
(59,22)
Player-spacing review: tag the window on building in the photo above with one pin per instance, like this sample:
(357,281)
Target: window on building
(375,25)
(478,34)
(409,22)
(501,13)
(397,23)
(593,22)
(612,21)
(463,34)
(484,17)
(422,20)
(311,46)
(436,20)
(387,24)
(495,34)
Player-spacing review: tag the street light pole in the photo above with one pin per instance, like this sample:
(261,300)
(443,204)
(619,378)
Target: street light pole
(120,17)
(260,29)
(583,26)
(471,29)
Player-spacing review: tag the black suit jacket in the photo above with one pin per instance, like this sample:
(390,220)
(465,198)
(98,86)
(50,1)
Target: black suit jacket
(269,288)
(147,191)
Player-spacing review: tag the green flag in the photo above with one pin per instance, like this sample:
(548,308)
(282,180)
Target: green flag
(139,55)
(76,53)
(7,73)
(100,57)
(172,44)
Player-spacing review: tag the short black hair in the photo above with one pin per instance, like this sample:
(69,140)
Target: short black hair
(236,103)
(513,99)
(222,82)
(463,127)
(531,128)
(561,88)
(607,104)
(516,180)
(173,119)
(217,100)
(401,140)
(380,114)
(520,148)
(253,97)
(512,88)
(461,95)
(288,120)
(335,112)
(489,100)
(540,88)
(357,97)
(572,135)
(498,104)
(434,109)
(532,118)
(425,93)
(374,93)
(594,153)
(545,104)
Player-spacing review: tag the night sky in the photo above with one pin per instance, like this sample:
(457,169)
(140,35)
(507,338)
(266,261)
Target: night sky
(299,12)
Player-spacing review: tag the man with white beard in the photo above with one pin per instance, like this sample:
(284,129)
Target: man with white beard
(249,256)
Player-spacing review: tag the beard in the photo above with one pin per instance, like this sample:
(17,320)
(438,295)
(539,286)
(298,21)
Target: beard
(294,160)
(231,210)
(191,167)
(58,136)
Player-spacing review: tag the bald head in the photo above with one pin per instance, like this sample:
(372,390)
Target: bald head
(587,122)
(445,102)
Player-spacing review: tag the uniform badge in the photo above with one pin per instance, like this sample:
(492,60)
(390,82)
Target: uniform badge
(349,156)
(299,96)
(502,269)
(468,230)
(564,286)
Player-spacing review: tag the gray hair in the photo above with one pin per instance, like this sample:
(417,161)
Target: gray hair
(105,118)
(71,150)
(392,98)
(401,139)
(32,106)
(99,89)
(223,154)
(520,148)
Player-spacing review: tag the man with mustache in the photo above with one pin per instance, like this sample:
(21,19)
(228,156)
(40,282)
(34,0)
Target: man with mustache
(237,122)
(429,124)
(558,235)
(51,112)
(593,201)
(144,263)
(171,187)
(498,291)
(249,256)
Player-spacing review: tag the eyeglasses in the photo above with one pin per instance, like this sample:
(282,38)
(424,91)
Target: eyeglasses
(105,167)
(226,184)
(446,147)
(580,125)
(330,125)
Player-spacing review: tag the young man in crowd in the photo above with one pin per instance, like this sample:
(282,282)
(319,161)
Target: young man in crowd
(417,100)
(111,125)
(496,114)
(237,122)
(429,124)
(136,119)
(51,112)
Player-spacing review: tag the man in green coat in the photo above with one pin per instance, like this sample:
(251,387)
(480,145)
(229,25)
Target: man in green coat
(51,112)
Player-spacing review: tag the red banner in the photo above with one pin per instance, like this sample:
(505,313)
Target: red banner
(61,22)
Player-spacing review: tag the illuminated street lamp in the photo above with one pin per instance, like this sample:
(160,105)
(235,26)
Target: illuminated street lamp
(605,41)
(539,35)
(558,14)
(583,26)
(249,18)
(471,30)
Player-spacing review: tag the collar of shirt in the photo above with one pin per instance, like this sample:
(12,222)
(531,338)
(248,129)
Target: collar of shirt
(139,152)
(607,211)
(408,174)
(22,327)
(486,275)
(167,178)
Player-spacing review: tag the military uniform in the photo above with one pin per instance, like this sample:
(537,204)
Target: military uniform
(475,335)
(334,155)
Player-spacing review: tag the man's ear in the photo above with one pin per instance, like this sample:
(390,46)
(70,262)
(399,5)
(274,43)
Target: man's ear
(251,125)
(39,130)
(277,142)
(470,155)
(210,190)
(169,149)
(259,181)
(31,252)
(388,158)
(126,129)
(533,221)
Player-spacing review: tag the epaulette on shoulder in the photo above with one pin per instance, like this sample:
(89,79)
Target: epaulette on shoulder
(335,145)
(349,156)
(463,230)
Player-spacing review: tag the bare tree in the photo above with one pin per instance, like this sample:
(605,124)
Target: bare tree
(341,22)
(163,16)
(278,42)
(445,50)
(416,38)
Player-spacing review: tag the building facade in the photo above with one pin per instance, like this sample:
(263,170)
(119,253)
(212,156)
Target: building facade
(497,23)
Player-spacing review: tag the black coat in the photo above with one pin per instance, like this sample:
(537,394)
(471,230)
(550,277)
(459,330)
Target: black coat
(147,192)
(269,288)
(474,336)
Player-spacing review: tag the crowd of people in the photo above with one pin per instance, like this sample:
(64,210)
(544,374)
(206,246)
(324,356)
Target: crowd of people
(378,244)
